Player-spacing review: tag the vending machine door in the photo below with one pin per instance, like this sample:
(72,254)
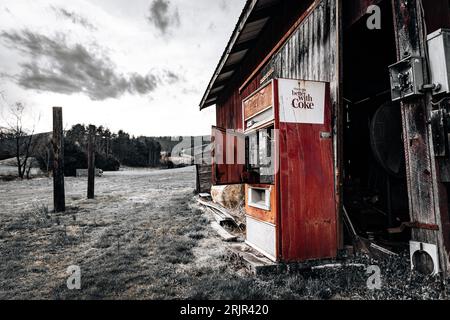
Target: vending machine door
(228,157)
(307,185)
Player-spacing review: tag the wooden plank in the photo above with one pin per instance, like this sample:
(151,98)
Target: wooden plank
(220,219)
(224,234)
(91,163)
(279,44)
(203,178)
(225,170)
(204,195)
(258,101)
(312,46)
(421,168)
(204,169)
(255,262)
(220,210)
(197,179)
(249,6)
(58,161)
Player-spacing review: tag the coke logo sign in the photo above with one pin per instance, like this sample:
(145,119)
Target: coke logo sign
(302,99)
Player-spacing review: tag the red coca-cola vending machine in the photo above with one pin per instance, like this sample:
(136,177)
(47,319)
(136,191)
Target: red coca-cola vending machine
(287,171)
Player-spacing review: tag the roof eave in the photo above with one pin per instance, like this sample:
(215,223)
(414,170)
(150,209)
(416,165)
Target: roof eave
(208,101)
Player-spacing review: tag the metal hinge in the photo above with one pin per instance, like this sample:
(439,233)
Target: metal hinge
(325,135)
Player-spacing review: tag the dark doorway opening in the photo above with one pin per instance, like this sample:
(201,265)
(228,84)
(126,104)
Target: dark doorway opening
(375,189)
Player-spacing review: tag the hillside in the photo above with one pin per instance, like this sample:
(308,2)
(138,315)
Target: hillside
(8,146)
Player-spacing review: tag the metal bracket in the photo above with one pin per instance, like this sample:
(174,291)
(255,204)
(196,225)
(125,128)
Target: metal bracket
(407,78)
(325,135)
(414,225)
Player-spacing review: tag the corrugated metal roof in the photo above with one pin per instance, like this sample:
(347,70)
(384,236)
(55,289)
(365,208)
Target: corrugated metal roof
(252,21)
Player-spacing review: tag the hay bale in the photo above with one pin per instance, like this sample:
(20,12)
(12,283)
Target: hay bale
(230,196)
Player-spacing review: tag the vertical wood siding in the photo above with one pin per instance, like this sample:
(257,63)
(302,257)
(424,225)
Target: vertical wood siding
(310,53)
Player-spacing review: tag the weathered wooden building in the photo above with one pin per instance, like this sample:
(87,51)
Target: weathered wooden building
(380,152)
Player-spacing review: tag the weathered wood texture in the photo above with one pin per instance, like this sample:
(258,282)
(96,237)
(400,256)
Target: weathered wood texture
(310,52)
(258,102)
(307,198)
(59,202)
(91,163)
(229,107)
(203,178)
(228,166)
(203,170)
(423,186)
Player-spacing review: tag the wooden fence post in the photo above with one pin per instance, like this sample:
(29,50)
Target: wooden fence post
(192,150)
(59,202)
(91,162)
(425,191)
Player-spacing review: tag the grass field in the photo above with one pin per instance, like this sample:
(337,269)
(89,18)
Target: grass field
(143,237)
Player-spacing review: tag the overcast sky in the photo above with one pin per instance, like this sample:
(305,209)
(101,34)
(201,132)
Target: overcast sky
(137,65)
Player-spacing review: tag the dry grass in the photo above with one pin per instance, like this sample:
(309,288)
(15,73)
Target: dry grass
(142,238)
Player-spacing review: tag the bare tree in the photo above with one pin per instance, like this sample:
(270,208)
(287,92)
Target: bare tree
(23,139)
(44,154)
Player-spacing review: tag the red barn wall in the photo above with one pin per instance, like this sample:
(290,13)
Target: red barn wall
(229,107)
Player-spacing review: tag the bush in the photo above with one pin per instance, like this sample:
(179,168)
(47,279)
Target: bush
(106,163)
(74,158)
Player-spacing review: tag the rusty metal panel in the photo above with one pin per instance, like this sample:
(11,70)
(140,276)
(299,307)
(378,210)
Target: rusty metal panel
(307,200)
(258,102)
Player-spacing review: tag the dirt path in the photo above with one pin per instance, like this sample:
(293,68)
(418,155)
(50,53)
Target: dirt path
(144,238)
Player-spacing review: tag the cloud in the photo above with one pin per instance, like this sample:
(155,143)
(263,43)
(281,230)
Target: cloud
(171,76)
(74,17)
(212,27)
(163,16)
(58,67)
(223,4)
